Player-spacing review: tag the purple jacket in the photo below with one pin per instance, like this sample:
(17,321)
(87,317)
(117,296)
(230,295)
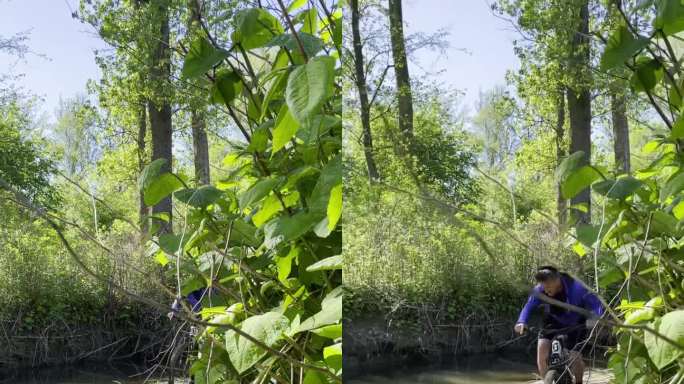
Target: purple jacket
(193,298)
(575,294)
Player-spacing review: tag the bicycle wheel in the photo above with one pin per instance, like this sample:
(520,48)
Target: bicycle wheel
(555,377)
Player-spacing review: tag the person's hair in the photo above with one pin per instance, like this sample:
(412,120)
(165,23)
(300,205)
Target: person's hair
(546,273)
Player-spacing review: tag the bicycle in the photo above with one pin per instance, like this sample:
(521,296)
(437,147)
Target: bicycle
(559,360)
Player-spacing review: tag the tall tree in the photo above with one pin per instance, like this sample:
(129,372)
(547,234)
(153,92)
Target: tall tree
(360,77)
(401,71)
(142,159)
(198,124)
(579,101)
(159,106)
(620,132)
(561,152)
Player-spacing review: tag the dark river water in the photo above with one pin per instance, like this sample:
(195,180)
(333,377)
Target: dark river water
(84,374)
(479,369)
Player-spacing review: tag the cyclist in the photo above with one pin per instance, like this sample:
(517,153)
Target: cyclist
(562,287)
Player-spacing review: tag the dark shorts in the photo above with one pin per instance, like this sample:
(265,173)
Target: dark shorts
(576,336)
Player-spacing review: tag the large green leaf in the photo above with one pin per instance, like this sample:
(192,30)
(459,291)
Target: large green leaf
(671,326)
(309,86)
(673,186)
(312,44)
(199,197)
(670,17)
(227,86)
(150,173)
(161,187)
(678,128)
(285,128)
(255,27)
(617,189)
(331,312)
(589,234)
(334,206)
(622,45)
(267,328)
(333,356)
(287,228)
(569,164)
(329,263)
(330,176)
(259,190)
(578,180)
(201,57)
(647,74)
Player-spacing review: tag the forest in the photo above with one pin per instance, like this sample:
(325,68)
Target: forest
(203,166)
(574,160)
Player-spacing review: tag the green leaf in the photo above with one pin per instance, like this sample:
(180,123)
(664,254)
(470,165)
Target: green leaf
(588,234)
(640,315)
(330,331)
(226,87)
(255,27)
(310,21)
(199,197)
(284,264)
(269,207)
(259,138)
(309,86)
(621,46)
(578,180)
(171,243)
(258,191)
(670,17)
(150,173)
(663,223)
(331,175)
(327,264)
(671,325)
(333,356)
(201,57)
(678,128)
(295,5)
(312,44)
(244,233)
(160,188)
(331,312)
(678,210)
(569,164)
(267,328)
(673,186)
(646,75)
(285,128)
(617,189)
(334,206)
(285,228)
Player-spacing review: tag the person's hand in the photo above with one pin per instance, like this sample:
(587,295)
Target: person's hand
(170,315)
(520,328)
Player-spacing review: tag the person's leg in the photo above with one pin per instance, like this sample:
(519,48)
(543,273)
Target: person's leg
(577,366)
(543,350)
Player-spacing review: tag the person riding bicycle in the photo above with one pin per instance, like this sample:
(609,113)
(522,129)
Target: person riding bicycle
(564,288)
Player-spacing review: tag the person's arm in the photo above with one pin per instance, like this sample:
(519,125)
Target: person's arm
(532,302)
(593,303)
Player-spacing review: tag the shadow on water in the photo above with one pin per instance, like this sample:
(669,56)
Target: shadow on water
(86,373)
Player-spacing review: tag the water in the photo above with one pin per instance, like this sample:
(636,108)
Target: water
(83,374)
(480,369)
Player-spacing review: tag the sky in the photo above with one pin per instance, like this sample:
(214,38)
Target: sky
(69,62)
(66,44)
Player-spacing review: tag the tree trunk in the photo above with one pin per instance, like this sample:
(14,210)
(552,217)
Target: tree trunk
(373,173)
(561,152)
(200,144)
(160,109)
(620,133)
(579,105)
(142,160)
(200,148)
(403,80)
